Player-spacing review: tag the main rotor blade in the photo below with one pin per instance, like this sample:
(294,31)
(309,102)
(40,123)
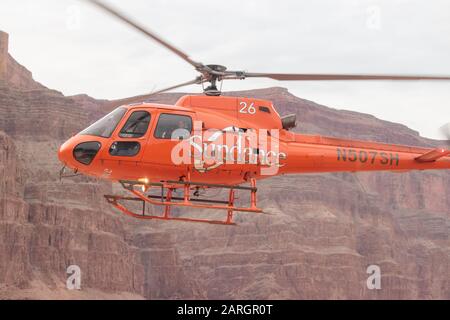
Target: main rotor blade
(145,31)
(142,98)
(316,77)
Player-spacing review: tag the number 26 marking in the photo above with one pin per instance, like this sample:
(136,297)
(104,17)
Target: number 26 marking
(244,108)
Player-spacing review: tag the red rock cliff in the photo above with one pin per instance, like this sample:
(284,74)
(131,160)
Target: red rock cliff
(11,72)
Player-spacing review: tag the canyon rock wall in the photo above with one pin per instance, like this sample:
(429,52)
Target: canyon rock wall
(316,240)
(4,42)
(11,72)
(47,224)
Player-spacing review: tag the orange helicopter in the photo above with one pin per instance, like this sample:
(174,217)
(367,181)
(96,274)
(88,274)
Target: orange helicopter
(210,141)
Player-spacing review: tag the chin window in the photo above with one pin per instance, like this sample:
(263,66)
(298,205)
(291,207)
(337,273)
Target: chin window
(85,152)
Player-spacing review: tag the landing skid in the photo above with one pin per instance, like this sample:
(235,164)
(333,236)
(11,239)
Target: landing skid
(168,200)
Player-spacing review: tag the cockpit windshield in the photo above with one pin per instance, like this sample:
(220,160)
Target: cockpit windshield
(106,125)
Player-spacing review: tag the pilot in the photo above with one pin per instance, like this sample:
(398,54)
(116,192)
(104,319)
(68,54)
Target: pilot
(181,124)
(181,132)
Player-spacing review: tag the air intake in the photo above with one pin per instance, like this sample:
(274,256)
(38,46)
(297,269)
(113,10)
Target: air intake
(289,121)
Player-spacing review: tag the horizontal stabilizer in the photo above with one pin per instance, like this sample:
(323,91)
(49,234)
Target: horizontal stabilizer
(433,155)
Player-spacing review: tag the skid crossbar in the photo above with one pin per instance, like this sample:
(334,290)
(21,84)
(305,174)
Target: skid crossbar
(167,200)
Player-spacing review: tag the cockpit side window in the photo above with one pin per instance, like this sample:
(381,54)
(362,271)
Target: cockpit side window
(173,126)
(136,125)
(106,125)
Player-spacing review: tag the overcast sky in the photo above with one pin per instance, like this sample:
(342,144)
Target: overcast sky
(75,48)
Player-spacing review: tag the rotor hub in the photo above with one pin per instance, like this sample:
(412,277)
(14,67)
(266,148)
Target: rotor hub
(213,73)
(217,67)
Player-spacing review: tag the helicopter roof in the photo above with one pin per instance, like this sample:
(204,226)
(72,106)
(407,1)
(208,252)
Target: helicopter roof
(187,102)
(157,106)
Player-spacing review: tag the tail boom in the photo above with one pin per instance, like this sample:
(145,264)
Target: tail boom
(325,154)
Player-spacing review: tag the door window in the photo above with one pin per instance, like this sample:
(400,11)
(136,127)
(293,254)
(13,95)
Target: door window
(173,126)
(125,148)
(136,125)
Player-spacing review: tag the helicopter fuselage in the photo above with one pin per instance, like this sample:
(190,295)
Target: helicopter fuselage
(225,140)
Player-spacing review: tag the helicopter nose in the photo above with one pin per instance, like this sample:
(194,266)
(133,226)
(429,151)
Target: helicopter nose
(65,153)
